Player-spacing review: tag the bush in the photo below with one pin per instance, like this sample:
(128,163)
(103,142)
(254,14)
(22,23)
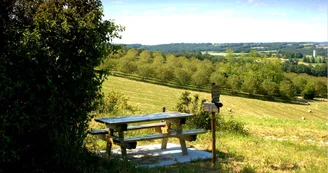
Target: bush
(115,103)
(202,120)
(48,54)
(187,104)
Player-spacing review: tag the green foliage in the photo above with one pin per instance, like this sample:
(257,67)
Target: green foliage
(309,91)
(237,73)
(115,103)
(321,87)
(287,89)
(202,119)
(48,54)
(187,104)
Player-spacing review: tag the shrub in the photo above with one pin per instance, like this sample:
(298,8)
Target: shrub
(48,54)
(187,104)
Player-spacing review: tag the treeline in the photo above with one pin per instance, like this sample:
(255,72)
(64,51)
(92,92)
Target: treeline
(242,74)
(287,47)
(293,65)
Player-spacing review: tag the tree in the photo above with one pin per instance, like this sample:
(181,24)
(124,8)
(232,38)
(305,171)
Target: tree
(253,53)
(251,83)
(320,87)
(287,89)
(165,73)
(270,87)
(182,76)
(234,83)
(309,91)
(49,51)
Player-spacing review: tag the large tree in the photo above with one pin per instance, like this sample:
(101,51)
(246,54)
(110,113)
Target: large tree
(48,83)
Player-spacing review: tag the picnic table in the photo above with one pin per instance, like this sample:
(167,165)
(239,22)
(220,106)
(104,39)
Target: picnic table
(170,126)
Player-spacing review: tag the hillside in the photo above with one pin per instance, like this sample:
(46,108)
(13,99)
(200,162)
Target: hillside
(294,145)
(151,98)
(305,48)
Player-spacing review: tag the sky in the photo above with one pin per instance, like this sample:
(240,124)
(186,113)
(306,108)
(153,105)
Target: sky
(152,22)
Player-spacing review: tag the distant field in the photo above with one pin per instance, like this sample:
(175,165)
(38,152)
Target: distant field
(218,53)
(278,140)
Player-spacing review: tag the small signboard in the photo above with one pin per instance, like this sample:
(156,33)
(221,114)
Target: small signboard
(210,107)
(215,93)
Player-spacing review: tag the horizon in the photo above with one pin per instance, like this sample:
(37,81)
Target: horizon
(309,42)
(240,21)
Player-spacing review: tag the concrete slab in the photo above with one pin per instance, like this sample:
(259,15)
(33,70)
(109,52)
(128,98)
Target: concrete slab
(153,155)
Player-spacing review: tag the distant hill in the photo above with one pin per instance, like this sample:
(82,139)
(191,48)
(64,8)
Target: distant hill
(305,48)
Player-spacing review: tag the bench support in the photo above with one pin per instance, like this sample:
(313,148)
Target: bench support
(123,146)
(165,130)
(182,141)
(110,142)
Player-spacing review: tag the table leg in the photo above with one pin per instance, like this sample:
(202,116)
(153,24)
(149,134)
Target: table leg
(182,141)
(110,142)
(165,130)
(122,144)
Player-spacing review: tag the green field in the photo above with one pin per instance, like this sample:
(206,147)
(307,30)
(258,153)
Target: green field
(278,140)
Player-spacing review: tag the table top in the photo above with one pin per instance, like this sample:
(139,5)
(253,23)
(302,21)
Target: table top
(142,118)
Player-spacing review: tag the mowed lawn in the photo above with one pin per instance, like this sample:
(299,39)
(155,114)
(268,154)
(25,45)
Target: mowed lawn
(278,140)
(150,98)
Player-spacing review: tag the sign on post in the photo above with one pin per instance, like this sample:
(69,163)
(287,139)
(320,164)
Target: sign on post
(213,107)
(210,107)
(215,93)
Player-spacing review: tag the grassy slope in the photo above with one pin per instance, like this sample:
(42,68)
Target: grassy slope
(151,98)
(278,142)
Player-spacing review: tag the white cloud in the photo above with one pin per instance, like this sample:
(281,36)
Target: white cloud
(225,11)
(117,2)
(150,29)
(259,4)
(125,11)
(322,8)
(277,13)
(170,9)
(317,19)
(190,9)
(250,1)
(150,12)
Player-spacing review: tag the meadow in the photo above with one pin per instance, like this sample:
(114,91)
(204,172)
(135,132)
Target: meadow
(277,141)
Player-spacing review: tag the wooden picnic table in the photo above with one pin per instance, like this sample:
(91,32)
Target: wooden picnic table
(169,126)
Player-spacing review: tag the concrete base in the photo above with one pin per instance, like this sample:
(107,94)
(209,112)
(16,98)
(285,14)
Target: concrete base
(153,155)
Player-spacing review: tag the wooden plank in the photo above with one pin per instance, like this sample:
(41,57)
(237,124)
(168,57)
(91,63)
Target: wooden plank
(141,118)
(142,126)
(210,107)
(160,136)
(98,132)
(145,126)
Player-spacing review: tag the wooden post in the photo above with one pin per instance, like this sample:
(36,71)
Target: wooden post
(215,101)
(213,120)
(213,130)
(167,126)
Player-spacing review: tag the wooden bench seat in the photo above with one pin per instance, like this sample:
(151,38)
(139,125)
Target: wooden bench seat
(101,133)
(142,126)
(131,143)
(188,135)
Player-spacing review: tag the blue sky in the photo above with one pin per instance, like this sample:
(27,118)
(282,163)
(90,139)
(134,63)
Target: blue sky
(210,21)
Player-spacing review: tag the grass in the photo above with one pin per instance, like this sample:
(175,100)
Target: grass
(278,140)
(150,98)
